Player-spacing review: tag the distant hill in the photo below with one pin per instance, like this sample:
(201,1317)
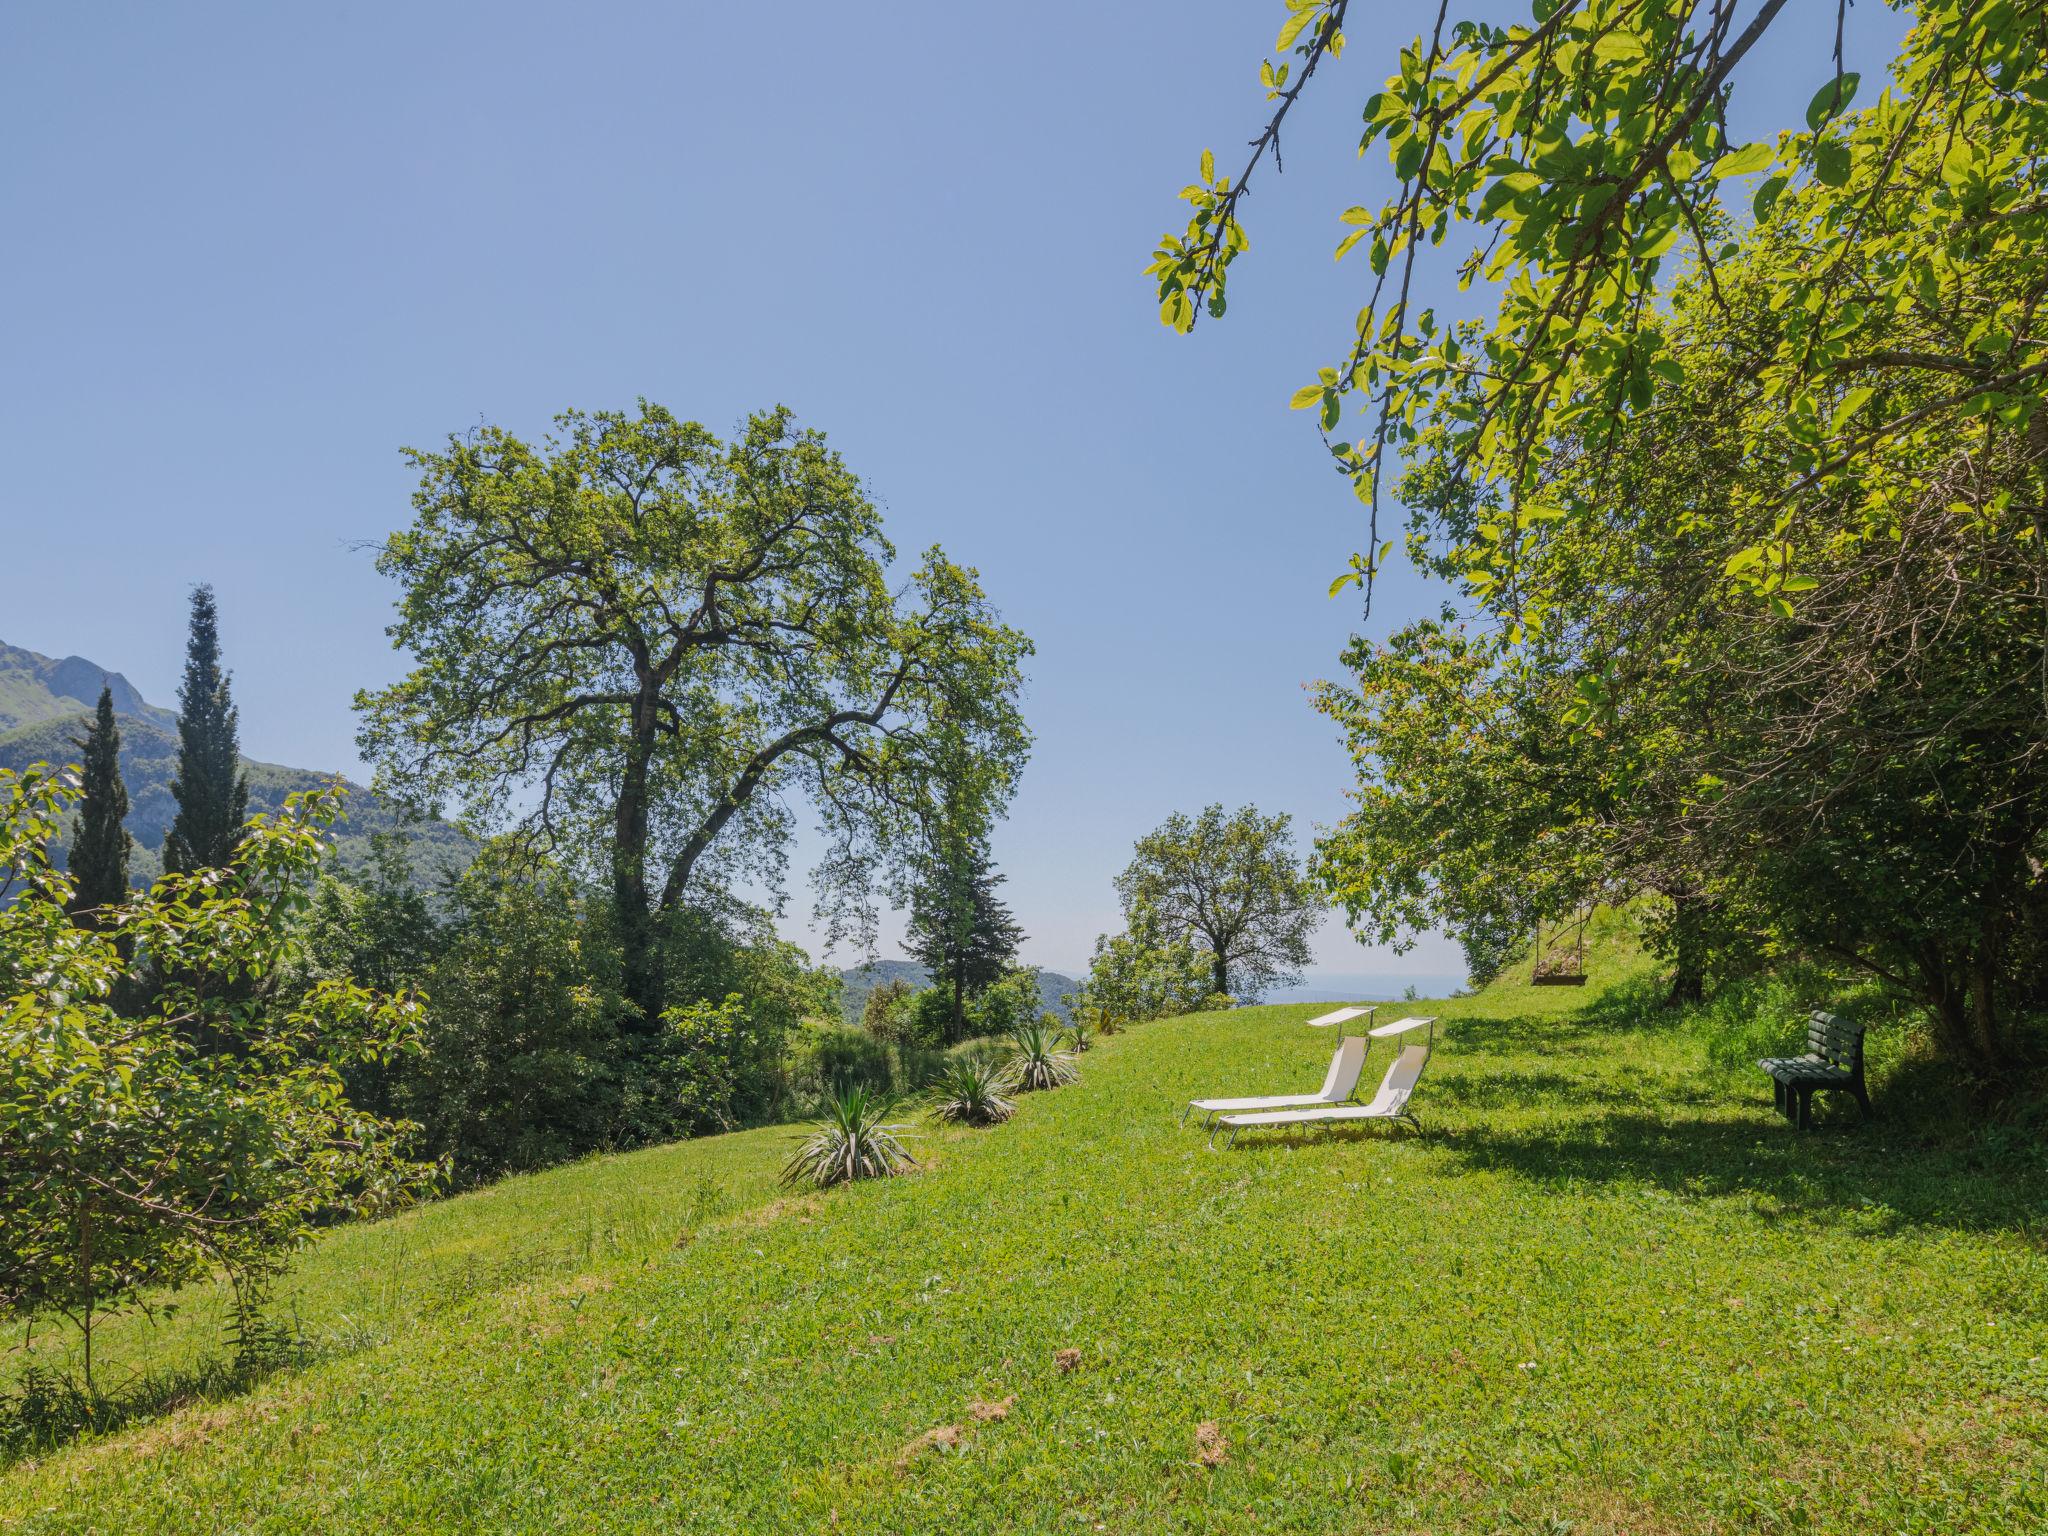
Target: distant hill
(45,705)
(857,982)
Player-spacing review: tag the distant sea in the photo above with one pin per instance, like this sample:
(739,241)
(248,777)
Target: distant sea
(1339,987)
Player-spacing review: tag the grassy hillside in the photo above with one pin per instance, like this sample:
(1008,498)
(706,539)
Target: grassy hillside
(1604,1291)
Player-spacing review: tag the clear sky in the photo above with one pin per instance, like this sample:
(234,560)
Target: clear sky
(248,251)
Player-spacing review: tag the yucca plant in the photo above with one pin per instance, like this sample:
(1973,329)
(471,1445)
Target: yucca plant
(850,1141)
(1039,1061)
(972,1090)
(1075,1032)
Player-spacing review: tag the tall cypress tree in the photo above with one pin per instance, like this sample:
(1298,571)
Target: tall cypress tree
(212,794)
(99,843)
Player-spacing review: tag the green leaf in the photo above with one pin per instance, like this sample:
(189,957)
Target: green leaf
(1852,402)
(1208,165)
(1614,47)
(1743,162)
(1767,195)
(1305,397)
(1828,104)
(1293,28)
(1831,162)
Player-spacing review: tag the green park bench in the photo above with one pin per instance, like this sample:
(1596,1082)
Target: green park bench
(1833,1059)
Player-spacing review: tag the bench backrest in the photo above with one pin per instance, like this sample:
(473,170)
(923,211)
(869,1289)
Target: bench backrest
(1835,1040)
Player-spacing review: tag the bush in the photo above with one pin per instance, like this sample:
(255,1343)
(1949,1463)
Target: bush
(823,1058)
(1039,1062)
(850,1141)
(1006,1003)
(1135,976)
(971,1090)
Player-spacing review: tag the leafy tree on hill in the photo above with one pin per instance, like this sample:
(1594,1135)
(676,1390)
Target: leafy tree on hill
(637,645)
(1229,883)
(959,929)
(98,856)
(1850,759)
(212,794)
(135,1160)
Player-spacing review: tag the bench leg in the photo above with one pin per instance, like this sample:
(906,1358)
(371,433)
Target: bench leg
(1805,1116)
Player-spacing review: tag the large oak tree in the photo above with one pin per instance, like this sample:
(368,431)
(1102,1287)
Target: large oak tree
(641,647)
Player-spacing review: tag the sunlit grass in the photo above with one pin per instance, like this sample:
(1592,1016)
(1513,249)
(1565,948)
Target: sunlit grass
(1604,1290)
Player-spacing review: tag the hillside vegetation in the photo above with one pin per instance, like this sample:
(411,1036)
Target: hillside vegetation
(1605,1290)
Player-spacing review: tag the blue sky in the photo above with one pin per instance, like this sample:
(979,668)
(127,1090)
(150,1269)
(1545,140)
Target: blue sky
(251,250)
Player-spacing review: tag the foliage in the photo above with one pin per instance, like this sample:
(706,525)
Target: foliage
(98,855)
(211,791)
(1012,998)
(1602,1177)
(1139,975)
(822,1058)
(636,643)
(1038,1060)
(1231,884)
(851,1141)
(1589,151)
(1846,760)
(881,1014)
(959,929)
(135,1160)
(970,1090)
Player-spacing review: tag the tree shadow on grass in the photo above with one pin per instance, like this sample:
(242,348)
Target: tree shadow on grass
(1510,1087)
(1886,1176)
(44,1409)
(1926,1159)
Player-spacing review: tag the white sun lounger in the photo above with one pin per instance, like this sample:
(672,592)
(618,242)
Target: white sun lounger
(1342,1082)
(1344,1016)
(1390,1103)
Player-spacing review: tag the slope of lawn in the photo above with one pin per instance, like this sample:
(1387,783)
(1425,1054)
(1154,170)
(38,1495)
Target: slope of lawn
(1604,1291)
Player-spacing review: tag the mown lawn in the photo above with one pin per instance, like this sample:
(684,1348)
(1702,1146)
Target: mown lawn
(1605,1291)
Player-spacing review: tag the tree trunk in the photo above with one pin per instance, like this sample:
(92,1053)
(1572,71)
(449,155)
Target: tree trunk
(639,961)
(959,1025)
(1689,952)
(1219,974)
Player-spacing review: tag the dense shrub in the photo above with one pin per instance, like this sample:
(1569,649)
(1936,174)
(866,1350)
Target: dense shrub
(528,1055)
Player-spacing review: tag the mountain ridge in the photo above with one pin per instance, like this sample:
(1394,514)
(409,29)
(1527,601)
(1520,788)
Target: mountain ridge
(46,703)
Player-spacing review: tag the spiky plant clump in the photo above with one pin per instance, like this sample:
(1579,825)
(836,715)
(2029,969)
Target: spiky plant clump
(972,1090)
(1075,1032)
(1039,1060)
(850,1141)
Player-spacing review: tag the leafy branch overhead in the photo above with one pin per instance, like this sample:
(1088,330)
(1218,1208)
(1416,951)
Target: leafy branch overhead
(1586,157)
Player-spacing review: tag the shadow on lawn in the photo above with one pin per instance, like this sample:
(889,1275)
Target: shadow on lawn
(1925,1159)
(1886,1178)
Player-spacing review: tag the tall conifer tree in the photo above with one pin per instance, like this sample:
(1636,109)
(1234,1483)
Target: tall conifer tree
(99,843)
(959,929)
(212,794)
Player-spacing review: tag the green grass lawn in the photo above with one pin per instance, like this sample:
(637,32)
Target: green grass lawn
(1604,1291)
